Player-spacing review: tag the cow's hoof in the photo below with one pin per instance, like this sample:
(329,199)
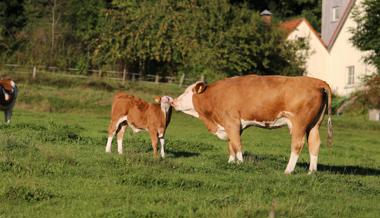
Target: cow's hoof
(288,172)
(311,172)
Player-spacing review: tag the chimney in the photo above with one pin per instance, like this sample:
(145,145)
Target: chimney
(266,16)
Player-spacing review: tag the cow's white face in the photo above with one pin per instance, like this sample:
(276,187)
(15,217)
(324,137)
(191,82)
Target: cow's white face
(166,102)
(184,102)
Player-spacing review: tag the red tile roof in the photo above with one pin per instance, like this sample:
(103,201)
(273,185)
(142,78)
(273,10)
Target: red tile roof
(290,25)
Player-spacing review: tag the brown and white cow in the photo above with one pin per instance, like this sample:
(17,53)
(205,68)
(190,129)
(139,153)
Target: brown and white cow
(131,111)
(229,106)
(8,95)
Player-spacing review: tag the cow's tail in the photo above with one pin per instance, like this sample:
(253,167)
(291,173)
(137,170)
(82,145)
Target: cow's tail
(327,91)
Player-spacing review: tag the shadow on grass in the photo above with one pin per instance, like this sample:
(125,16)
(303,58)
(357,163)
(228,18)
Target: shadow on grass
(346,170)
(336,169)
(177,154)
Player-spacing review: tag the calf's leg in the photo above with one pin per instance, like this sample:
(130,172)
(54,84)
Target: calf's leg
(154,139)
(120,136)
(162,142)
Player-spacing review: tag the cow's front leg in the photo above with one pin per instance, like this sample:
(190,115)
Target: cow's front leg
(154,139)
(162,142)
(8,115)
(234,144)
(232,153)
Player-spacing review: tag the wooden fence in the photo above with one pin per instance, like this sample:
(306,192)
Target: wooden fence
(123,76)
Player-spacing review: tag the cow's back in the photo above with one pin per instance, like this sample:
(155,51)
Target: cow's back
(259,98)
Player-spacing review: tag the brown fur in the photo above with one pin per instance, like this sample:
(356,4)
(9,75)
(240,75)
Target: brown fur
(265,98)
(141,115)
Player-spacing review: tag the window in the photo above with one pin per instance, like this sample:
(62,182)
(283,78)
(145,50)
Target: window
(335,14)
(351,75)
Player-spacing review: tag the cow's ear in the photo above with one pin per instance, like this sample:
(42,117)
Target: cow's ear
(200,87)
(157,99)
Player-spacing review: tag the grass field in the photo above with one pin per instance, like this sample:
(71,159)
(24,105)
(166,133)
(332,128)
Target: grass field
(53,164)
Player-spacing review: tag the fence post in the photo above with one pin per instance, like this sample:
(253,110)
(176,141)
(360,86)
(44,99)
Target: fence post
(100,72)
(124,74)
(181,79)
(157,79)
(133,77)
(34,72)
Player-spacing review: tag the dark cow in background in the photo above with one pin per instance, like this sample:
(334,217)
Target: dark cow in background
(8,95)
(229,106)
(131,111)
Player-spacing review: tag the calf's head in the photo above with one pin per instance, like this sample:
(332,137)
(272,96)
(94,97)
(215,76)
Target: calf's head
(185,103)
(164,101)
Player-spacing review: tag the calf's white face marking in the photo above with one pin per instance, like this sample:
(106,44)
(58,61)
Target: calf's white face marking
(184,102)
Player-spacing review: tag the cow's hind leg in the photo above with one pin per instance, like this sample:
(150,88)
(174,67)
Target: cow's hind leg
(314,142)
(111,133)
(112,130)
(120,135)
(298,140)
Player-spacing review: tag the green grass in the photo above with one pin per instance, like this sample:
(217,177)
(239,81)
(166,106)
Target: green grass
(53,164)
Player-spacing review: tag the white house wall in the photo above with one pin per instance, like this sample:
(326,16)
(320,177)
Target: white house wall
(316,65)
(342,55)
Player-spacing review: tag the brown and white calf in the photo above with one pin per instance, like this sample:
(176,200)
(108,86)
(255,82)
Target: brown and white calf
(131,111)
(8,95)
(229,106)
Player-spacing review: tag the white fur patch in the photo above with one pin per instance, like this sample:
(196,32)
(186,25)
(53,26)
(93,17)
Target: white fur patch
(221,133)
(313,163)
(292,163)
(6,96)
(109,143)
(120,146)
(239,156)
(162,142)
(231,159)
(184,102)
(13,84)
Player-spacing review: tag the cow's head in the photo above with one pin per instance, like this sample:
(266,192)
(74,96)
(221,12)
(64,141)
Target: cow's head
(185,103)
(164,101)
(7,88)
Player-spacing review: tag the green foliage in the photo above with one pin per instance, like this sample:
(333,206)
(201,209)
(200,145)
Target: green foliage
(201,37)
(370,96)
(210,38)
(366,35)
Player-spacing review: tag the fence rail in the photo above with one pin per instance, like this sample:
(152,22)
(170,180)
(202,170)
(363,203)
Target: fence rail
(123,76)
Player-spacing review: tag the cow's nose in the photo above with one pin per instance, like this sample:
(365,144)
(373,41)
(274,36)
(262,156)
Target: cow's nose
(173,103)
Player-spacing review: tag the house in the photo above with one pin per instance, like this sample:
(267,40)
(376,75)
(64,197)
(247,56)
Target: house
(332,57)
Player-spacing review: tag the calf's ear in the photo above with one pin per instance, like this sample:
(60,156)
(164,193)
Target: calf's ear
(199,87)
(157,99)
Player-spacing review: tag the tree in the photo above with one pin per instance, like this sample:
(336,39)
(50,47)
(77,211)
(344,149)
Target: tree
(213,38)
(366,36)
(12,20)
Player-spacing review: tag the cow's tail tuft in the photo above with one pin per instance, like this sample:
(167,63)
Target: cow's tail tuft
(329,114)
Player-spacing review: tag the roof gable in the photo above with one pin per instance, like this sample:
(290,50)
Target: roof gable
(340,25)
